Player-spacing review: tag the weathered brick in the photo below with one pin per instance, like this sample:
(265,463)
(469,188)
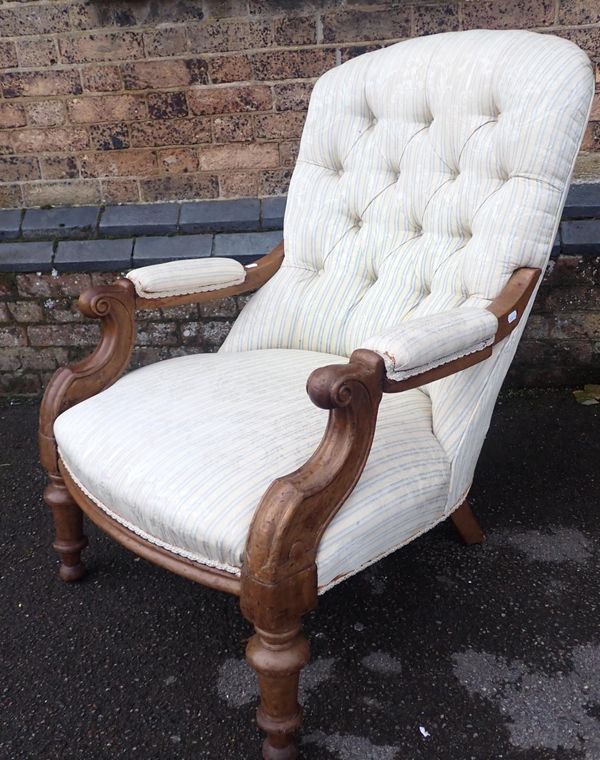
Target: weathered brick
(224,8)
(354,25)
(46,113)
(292,96)
(101,78)
(166,41)
(288,152)
(109,136)
(238,184)
(119,191)
(573,298)
(64,335)
(102,108)
(292,64)
(102,46)
(249,156)
(125,163)
(178,160)
(274,182)
(37,52)
(226,35)
(5,315)
(11,196)
(295,30)
(157,334)
(229,68)
(18,384)
(171,132)
(61,193)
(279,126)
(270,7)
(18,168)
(222,307)
(26,311)
(191,334)
(12,115)
(507,14)
(167,105)
(61,310)
(8,54)
(51,140)
(579,12)
(220,100)
(52,286)
(432,19)
(214,333)
(576,325)
(34,19)
(59,167)
(12,336)
(179,187)
(169,72)
(236,128)
(17,84)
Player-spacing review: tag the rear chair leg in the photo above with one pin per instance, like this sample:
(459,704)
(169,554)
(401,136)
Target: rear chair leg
(467,524)
(70,539)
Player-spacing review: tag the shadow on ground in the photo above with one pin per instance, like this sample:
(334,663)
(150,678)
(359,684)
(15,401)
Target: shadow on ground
(439,652)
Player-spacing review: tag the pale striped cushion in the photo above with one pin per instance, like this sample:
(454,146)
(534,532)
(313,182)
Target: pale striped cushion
(183,450)
(421,344)
(186,276)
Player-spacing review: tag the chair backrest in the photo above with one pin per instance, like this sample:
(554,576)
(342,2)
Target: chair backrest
(428,172)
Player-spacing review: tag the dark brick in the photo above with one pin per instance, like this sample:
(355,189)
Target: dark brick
(246,246)
(581,237)
(74,222)
(140,219)
(93,255)
(354,25)
(156,250)
(179,187)
(10,223)
(26,257)
(583,201)
(166,105)
(272,211)
(292,64)
(220,216)
(109,136)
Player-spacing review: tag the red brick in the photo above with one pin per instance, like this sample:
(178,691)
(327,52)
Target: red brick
(4,313)
(274,182)
(19,385)
(12,336)
(8,55)
(292,96)
(178,160)
(288,152)
(16,84)
(34,19)
(102,108)
(168,73)
(12,115)
(171,132)
(352,25)
(238,184)
(109,136)
(224,8)
(248,156)
(64,335)
(46,285)
(119,191)
(295,30)
(236,128)
(11,196)
(432,19)
(121,163)
(218,100)
(579,12)
(102,46)
(59,167)
(180,187)
(229,68)
(167,105)
(595,114)
(74,192)
(101,78)
(157,334)
(37,52)
(166,41)
(507,14)
(18,168)
(347,53)
(225,36)
(292,64)
(46,113)
(53,140)
(26,311)
(279,126)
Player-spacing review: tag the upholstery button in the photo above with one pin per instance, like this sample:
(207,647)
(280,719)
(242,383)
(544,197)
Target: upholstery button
(359,223)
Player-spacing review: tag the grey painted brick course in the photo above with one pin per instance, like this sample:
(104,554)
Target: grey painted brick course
(10,224)
(581,237)
(246,246)
(220,216)
(272,211)
(583,201)
(69,222)
(156,250)
(93,255)
(26,257)
(140,219)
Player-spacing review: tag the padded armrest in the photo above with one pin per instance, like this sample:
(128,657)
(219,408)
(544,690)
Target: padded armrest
(421,344)
(176,278)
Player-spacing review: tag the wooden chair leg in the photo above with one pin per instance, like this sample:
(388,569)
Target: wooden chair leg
(278,659)
(467,524)
(70,539)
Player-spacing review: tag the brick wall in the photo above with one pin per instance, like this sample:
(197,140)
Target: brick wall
(41,329)
(148,100)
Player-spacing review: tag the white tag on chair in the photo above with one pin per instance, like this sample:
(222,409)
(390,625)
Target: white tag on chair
(512,316)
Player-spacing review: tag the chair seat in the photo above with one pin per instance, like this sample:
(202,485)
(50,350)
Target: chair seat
(181,452)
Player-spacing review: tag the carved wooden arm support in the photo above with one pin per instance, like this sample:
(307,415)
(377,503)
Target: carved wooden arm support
(115,306)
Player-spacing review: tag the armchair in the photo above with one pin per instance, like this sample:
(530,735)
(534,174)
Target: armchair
(422,210)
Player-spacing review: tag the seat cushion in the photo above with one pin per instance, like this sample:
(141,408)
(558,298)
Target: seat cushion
(182,451)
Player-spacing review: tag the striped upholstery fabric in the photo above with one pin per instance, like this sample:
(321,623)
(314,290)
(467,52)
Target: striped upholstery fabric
(428,172)
(188,276)
(424,343)
(190,474)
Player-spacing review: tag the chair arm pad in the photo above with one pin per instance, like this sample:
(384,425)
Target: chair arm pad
(177,278)
(421,344)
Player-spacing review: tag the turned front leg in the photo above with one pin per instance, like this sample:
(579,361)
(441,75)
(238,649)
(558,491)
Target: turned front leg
(278,659)
(70,539)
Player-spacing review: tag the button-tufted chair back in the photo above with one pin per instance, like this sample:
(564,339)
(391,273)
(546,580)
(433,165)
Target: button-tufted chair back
(428,172)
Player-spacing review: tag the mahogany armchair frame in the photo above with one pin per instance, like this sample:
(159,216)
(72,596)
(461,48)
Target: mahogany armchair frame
(278,582)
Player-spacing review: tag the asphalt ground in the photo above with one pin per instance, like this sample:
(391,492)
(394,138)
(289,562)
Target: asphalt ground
(439,652)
